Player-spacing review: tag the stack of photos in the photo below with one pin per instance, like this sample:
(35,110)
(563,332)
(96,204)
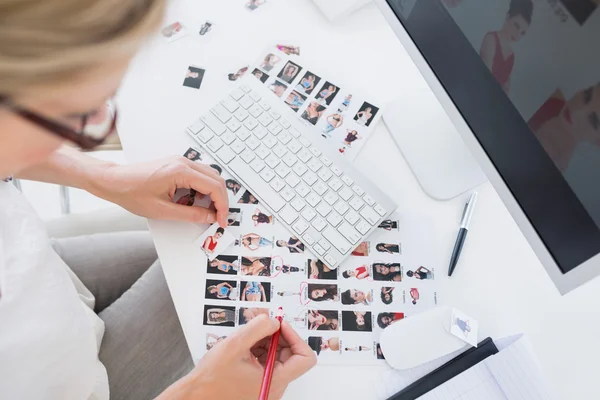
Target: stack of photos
(336,113)
(340,313)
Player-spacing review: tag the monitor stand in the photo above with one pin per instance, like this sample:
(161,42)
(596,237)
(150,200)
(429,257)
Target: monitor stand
(434,150)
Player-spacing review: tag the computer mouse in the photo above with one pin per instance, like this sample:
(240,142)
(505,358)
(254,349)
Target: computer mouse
(414,341)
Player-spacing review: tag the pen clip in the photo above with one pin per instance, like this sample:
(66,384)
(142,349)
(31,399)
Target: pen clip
(464,213)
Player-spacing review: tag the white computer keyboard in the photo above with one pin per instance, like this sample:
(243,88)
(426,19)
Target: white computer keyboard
(313,191)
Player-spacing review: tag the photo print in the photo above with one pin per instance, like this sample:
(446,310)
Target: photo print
(360,272)
(247,314)
(327,93)
(225,265)
(414,296)
(387,295)
(352,136)
(362,250)
(322,345)
(248,198)
(260,218)
(280,266)
(221,290)
(191,197)
(252,5)
(261,76)
(193,154)
(391,272)
(212,340)
(292,245)
(233,186)
(308,83)
(420,273)
(353,296)
(289,72)
(345,104)
(205,28)
(313,112)
(464,327)
(320,292)
(255,291)
(214,240)
(254,242)
(389,225)
(237,75)
(278,88)
(388,248)
(174,31)
(357,321)
(219,315)
(235,217)
(333,122)
(269,62)
(289,50)
(317,270)
(365,115)
(379,352)
(295,100)
(256,266)
(193,77)
(323,320)
(385,319)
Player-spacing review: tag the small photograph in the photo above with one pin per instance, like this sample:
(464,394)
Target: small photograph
(255,291)
(219,315)
(342,108)
(352,297)
(351,137)
(289,72)
(420,273)
(387,295)
(278,88)
(308,83)
(237,75)
(313,112)
(389,248)
(319,344)
(256,266)
(205,28)
(317,270)
(387,272)
(464,327)
(233,186)
(221,290)
(174,31)
(193,77)
(269,62)
(360,272)
(379,352)
(327,93)
(414,296)
(389,225)
(188,197)
(214,240)
(354,349)
(235,217)
(261,76)
(323,320)
(357,321)
(581,10)
(247,314)
(289,50)
(286,269)
(253,242)
(334,121)
(385,319)
(254,4)
(293,245)
(365,115)
(217,168)
(362,250)
(193,154)
(322,292)
(226,265)
(260,218)
(212,340)
(295,100)
(247,198)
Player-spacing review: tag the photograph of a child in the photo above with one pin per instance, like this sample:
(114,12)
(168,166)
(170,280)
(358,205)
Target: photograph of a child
(269,62)
(323,320)
(388,248)
(362,250)
(387,295)
(295,100)
(260,218)
(322,292)
(308,83)
(256,266)
(357,321)
(278,88)
(319,344)
(192,154)
(219,315)
(354,296)
(248,198)
(212,340)
(327,93)
(193,77)
(365,115)
(222,290)
(293,245)
(580,9)
(313,112)
(235,216)
(255,291)
(387,272)
(214,240)
(289,72)
(421,273)
(261,76)
(317,270)
(248,314)
(385,319)
(226,265)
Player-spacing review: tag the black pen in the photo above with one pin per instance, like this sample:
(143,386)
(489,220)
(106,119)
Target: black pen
(462,233)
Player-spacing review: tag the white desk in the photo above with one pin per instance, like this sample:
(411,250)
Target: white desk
(499,280)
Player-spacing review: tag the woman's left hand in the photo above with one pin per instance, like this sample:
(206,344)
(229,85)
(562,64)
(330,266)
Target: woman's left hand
(147,189)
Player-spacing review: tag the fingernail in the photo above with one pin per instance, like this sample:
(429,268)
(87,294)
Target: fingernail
(211,218)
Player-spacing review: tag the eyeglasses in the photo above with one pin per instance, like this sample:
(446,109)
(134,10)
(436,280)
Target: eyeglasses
(90,129)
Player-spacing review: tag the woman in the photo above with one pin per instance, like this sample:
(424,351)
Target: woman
(323,320)
(254,291)
(289,50)
(313,112)
(248,198)
(294,100)
(219,316)
(387,295)
(233,185)
(387,318)
(60,63)
(253,242)
(256,266)
(319,292)
(388,225)
(318,270)
(212,340)
(351,137)
(187,199)
(220,291)
(388,248)
(364,117)
(345,104)
(294,245)
(224,266)
(248,314)
(325,94)
(289,73)
(238,75)
(211,242)
(421,273)
(269,62)
(361,272)
(307,84)
(261,218)
(333,122)
(358,348)
(362,250)
(353,296)
(318,344)
(288,269)
(356,321)
(278,88)
(414,295)
(387,272)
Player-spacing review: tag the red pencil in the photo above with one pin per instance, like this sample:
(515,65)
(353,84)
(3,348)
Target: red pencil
(270,364)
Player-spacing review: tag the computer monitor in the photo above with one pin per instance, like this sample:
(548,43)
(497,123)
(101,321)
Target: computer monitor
(520,81)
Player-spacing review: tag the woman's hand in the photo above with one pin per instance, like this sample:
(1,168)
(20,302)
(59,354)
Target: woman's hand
(147,189)
(233,368)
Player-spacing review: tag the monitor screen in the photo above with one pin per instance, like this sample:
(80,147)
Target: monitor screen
(525,76)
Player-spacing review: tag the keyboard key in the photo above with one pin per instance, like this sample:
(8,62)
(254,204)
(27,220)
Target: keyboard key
(255,96)
(288,215)
(310,178)
(214,124)
(347,180)
(324,244)
(197,126)
(325,174)
(230,105)
(294,146)
(331,198)
(356,203)
(246,102)
(313,199)
(300,169)
(272,160)
(318,249)
(300,226)
(295,132)
(341,207)
(308,239)
(257,165)
(335,184)
(225,154)
(326,161)
(369,200)
(237,146)
(323,209)
(262,152)
(358,190)
(303,141)
(245,88)
(289,159)
(315,151)
(233,125)
(282,170)
(269,141)
(236,94)
(352,217)
(267,175)
(308,214)
(279,150)
(251,123)
(260,132)
(248,156)
(206,135)
(285,123)
(336,170)
(252,142)
(349,233)
(302,189)
(274,128)
(228,137)
(334,218)
(330,260)
(320,188)
(243,134)
(275,115)
(370,215)
(319,224)
(304,155)
(266,106)
(292,180)
(287,193)
(298,204)
(314,165)
(363,227)
(221,113)
(241,115)
(337,240)
(265,120)
(256,111)
(267,195)
(284,137)
(380,210)
(215,144)
(346,193)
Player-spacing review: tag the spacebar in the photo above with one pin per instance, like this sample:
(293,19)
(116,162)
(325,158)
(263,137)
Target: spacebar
(256,184)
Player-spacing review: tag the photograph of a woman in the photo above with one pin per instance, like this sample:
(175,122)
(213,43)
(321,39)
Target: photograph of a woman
(223,265)
(248,198)
(379,352)
(497,47)
(323,320)
(289,50)
(354,296)
(334,121)
(248,314)
(351,137)
(365,115)
(219,315)
(295,100)
(362,250)
(256,266)
(323,292)
(358,348)
(361,272)
(388,225)
(222,290)
(387,272)
(319,344)
(192,154)
(345,104)
(269,62)
(211,242)
(233,186)
(212,340)
(318,270)
(188,198)
(293,245)
(414,295)
(255,291)
(387,295)
(261,218)
(388,248)
(278,88)
(313,112)
(253,241)
(234,217)
(327,94)
(289,72)
(421,273)
(261,76)
(287,269)
(357,321)
(387,318)
(240,73)
(308,82)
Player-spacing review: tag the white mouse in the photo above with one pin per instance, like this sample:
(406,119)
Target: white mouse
(417,340)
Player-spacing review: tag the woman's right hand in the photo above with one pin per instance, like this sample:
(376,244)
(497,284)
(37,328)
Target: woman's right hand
(241,357)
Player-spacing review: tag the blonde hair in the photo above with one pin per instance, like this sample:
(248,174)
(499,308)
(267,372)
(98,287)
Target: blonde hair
(51,41)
